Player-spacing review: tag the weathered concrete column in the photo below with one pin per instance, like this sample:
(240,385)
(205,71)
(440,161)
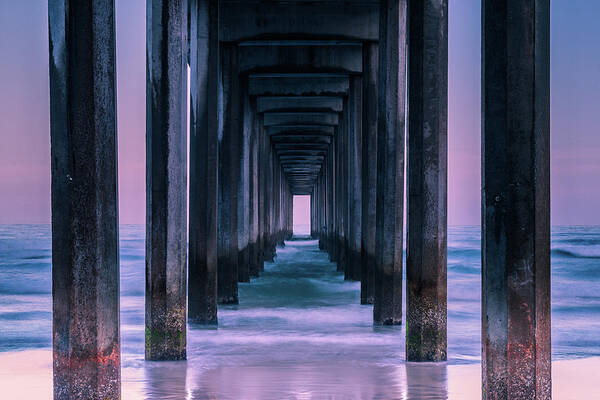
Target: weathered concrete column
(387,307)
(289,211)
(262,199)
(369,166)
(335,197)
(314,200)
(335,226)
(331,199)
(353,253)
(229,160)
(319,206)
(323,205)
(336,188)
(516,346)
(253,240)
(166,179)
(320,228)
(285,205)
(343,191)
(426,307)
(276,227)
(269,250)
(243,188)
(204,163)
(85,243)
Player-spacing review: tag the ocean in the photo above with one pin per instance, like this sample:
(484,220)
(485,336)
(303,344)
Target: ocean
(301,309)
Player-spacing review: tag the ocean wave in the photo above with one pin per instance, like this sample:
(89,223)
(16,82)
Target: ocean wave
(593,253)
(40,257)
(25,316)
(464,269)
(583,241)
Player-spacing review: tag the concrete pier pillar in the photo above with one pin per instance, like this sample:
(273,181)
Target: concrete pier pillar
(204,163)
(229,165)
(276,227)
(85,244)
(516,345)
(342,191)
(166,180)
(262,199)
(353,253)
(331,199)
(369,166)
(276,203)
(314,200)
(333,256)
(269,249)
(426,308)
(243,188)
(337,182)
(387,307)
(320,228)
(253,238)
(320,208)
(289,229)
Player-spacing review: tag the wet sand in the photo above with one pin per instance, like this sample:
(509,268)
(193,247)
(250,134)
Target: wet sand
(28,375)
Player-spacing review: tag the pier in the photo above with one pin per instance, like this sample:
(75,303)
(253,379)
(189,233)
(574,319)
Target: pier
(332,99)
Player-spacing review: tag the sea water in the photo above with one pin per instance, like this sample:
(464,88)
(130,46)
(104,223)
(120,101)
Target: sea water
(300,310)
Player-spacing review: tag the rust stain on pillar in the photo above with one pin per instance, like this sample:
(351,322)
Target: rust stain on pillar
(516,342)
(85,241)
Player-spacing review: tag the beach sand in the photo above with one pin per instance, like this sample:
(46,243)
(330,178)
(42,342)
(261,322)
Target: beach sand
(28,375)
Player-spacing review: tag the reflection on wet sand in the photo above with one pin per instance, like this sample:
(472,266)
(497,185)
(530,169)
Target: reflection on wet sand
(28,375)
(335,381)
(426,381)
(165,380)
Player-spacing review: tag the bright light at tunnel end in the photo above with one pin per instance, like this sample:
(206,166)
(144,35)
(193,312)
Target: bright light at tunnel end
(301,215)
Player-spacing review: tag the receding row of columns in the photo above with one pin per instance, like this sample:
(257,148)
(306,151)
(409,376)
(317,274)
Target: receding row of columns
(240,198)
(515,197)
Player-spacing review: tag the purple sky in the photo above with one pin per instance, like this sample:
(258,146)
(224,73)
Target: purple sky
(24,115)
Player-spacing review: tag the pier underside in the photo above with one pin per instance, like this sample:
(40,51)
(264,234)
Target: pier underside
(331,99)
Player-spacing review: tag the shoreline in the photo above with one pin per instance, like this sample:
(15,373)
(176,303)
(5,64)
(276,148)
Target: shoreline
(26,374)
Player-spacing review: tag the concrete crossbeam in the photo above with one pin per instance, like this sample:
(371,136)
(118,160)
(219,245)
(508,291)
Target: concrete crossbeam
(303,103)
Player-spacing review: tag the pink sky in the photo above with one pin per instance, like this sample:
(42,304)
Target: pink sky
(24,115)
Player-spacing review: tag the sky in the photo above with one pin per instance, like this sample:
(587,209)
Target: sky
(575,95)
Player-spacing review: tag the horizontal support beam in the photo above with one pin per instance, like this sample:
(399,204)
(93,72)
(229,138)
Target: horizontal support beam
(258,20)
(302,130)
(298,85)
(329,58)
(301,162)
(301,146)
(282,103)
(301,167)
(301,118)
(294,152)
(273,43)
(299,139)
